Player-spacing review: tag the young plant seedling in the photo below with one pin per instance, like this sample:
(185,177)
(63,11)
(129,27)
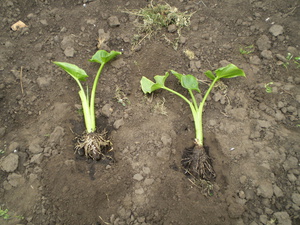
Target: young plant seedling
(247,50)
(268,87)
(91,144)
(290,58)
(198,162)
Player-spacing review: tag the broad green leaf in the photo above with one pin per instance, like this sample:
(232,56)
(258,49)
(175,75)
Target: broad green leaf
(210,75)
(76,72)
(178,75)
(187,81)
(103,56)
(190,82)
(149,86)
(161,79)
(229,71)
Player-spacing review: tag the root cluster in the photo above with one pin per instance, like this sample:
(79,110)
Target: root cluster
(198,164)
(93,145)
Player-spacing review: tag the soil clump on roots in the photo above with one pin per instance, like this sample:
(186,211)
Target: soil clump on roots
(94,146)
(197,163)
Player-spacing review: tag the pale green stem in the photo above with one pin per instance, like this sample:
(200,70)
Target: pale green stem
(199,126)
(193,98)
(193,108)
(92,101)
(85,108)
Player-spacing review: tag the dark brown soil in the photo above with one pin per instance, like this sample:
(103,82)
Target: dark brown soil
(253,135)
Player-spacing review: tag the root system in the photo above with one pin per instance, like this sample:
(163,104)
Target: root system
(197,163)
(94,145)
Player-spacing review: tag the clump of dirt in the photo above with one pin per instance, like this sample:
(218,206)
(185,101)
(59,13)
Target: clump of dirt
(94,145)
(197,163)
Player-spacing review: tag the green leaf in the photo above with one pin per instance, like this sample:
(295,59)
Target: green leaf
(187,81)
(161,79)
(229,71)
(73,70)
(178,75)
(190,82)
(210,75)
(148,86)
(103,56)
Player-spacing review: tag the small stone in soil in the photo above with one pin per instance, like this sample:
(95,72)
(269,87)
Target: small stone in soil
(265,190)
(113,21)
(118,123)
(138,177)
(276,30)
(283,218)
(9,163)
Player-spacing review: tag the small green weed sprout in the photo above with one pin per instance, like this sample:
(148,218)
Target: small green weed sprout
(121,97)
(91,144)
(5,215)
(290,58)
(247,50)
(197,162)
(268,87)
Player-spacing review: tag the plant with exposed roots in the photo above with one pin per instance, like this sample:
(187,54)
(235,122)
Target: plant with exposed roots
(91,144)
(197,162)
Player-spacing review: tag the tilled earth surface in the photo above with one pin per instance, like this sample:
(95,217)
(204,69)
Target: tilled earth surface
(251,124)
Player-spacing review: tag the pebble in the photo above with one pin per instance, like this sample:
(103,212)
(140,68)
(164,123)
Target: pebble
(166,139)
(35,148)
(294,51)
(2,131)
(291,177)
(118,123)
(267,54)
(113,21)
(243,179)
(277,191)
(172,28)
(102,35)
(281,57)
(68,41)
(107,110)
(13,146)
(276,30)
(9,163)
(139,191)
(15,179)
(265,189)
(148,181)
(44,22)
(283,218)
(296,198)
(263,43)
(263,219)
(255,60)
(37,158)
(69,52)
(290,163)
(138,177)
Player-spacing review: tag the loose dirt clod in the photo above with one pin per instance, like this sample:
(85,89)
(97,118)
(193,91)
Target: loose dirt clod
(94,145)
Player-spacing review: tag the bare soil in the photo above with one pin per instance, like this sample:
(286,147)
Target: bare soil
(252,135)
